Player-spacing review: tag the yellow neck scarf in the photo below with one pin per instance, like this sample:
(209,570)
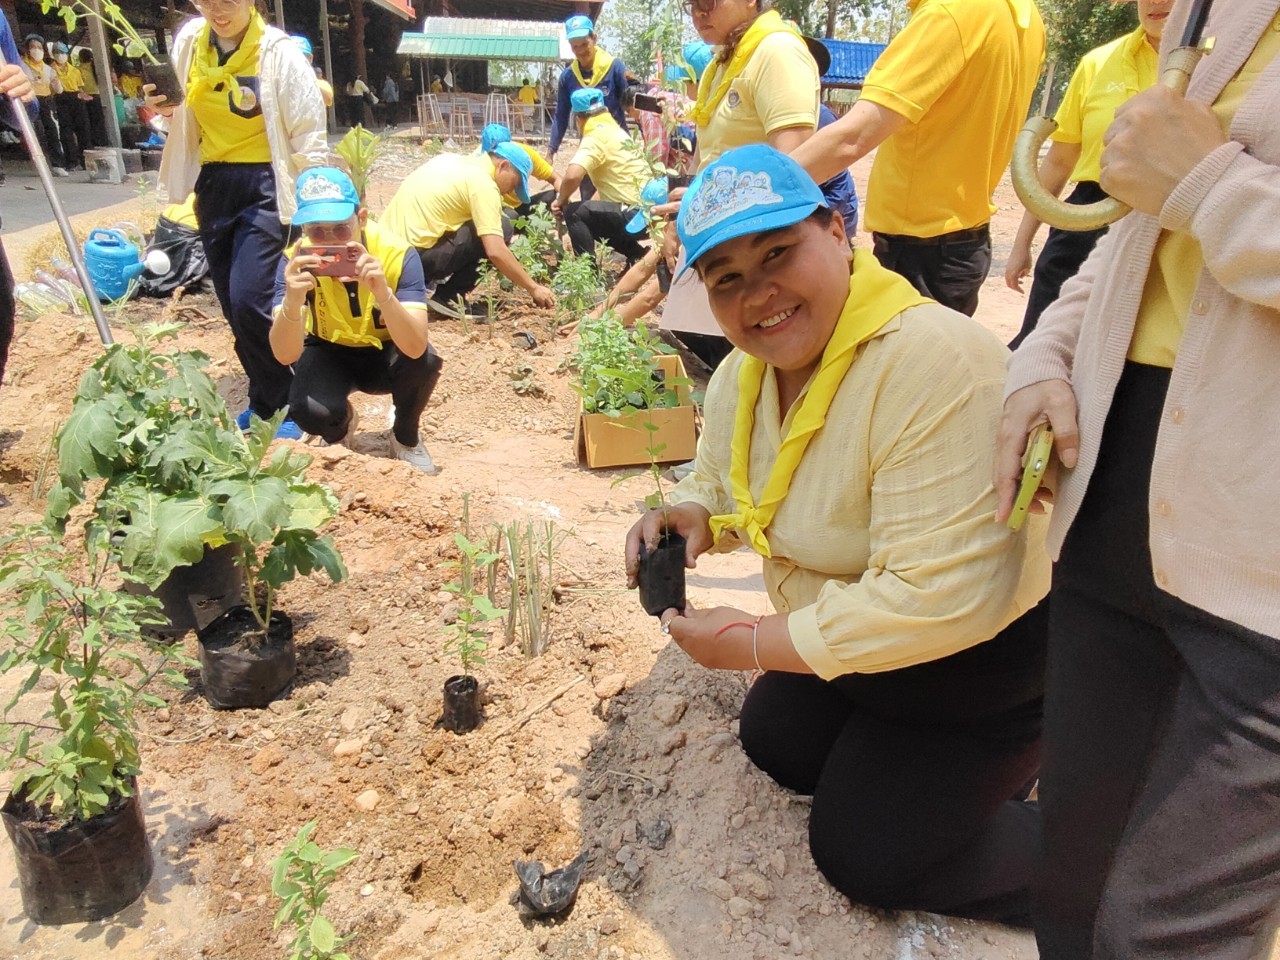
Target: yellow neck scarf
(708,99)
(599,67)
(206,73)
(876,296)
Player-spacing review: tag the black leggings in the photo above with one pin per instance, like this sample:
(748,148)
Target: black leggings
(326,374)
(914,772)
(592,220)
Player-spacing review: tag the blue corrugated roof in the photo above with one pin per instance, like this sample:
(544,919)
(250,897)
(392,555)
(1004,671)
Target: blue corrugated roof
(851,60)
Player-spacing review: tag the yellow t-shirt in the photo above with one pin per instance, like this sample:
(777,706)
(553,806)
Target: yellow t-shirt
(884,553)
(962,72)
(541,169)
(1106,78)
(1178,259)
(614,162)
(130,86)
(89,78)
(231,134)
(70,77)
(183,213)
(40,75)
(441,196)
(326,91)
(527,95)
(777,89)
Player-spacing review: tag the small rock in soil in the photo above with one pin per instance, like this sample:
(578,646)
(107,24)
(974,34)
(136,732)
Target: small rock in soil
(668,710)
(720,888)
(368,801)
(739,907)
(611,685)
(348,748)
(352,719)
(265,759)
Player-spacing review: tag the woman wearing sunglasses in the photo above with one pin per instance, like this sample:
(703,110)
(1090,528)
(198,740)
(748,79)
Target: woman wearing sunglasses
(251,121)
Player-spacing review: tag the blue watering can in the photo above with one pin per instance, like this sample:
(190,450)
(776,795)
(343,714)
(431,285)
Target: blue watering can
(115,263)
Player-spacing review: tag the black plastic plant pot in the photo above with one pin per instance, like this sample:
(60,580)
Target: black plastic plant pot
(166,80)
(80,871)
(679,180)
(661,576)
(461,704)
(238,670)
(195,596)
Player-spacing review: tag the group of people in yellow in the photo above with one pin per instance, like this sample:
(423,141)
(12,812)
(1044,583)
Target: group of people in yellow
(918,675)
(69,118)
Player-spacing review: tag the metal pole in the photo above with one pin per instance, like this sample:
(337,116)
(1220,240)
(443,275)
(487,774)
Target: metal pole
(280,15)
(328,61)
(41,164)
(106,90)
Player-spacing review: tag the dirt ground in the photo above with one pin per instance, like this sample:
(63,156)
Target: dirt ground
(612,741)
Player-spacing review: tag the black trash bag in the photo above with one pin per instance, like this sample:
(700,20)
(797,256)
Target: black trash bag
(187,263)
(545,894)
(81,871)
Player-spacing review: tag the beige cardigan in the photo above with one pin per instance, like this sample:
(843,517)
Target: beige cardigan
(291,107)
(1215,527)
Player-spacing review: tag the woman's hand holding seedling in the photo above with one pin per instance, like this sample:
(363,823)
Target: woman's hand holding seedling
(689,520)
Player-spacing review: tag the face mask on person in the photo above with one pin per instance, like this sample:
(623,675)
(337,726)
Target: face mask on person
(35,52)
(59,58)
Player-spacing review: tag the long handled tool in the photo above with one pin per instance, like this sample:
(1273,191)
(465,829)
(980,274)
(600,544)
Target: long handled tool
(1025,171)
(41,163)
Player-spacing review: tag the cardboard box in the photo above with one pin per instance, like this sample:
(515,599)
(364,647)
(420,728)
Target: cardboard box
(603,441)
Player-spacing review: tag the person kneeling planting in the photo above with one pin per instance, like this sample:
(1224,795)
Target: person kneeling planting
(351,313)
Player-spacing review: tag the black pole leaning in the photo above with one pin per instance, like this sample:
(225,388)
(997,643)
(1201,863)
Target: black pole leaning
(41,164)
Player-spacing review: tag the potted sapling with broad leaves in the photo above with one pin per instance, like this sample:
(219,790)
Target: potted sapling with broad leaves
(155,70)
(82,665)
(273,514)
(141,427)
(468,638)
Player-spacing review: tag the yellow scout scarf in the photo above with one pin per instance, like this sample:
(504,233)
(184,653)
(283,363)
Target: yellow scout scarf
(331,317)
(768,22)
(599,68)
(207,73)
(876,296)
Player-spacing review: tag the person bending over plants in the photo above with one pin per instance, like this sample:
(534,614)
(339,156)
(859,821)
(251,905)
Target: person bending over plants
(359,323)
(617,166)
(901,678)
(450,210)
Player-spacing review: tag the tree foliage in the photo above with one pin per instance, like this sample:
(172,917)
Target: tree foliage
(1075,27)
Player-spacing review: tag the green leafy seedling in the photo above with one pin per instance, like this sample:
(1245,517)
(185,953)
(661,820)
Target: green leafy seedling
(301,877)
(468,640)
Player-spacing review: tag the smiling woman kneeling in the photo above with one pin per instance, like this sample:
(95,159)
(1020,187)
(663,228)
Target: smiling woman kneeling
(847,441)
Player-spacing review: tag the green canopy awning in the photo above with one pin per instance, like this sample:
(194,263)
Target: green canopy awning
(478,47)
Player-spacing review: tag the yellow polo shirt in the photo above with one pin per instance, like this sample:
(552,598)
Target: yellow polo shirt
(131,86)
(41,76)
(541,169)
(443,195)
(89,78)
(777,89)
(70,77)
(614,162)
(527,95)
(1178,259)
(884,550)
(962,73)
(230,133)
(1107,77)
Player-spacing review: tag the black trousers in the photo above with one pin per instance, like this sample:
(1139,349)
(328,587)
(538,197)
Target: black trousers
(590,220)
(1065,251)
(454,262)
(1161,785)
(243,238)
(538,199)
(97,123)
(949,268)
(326,375)
(914,773)
(73,126)
(46,127)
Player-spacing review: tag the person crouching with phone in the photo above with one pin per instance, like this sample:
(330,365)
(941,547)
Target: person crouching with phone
(350,313)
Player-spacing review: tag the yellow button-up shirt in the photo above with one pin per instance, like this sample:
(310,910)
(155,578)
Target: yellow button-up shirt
(885,551)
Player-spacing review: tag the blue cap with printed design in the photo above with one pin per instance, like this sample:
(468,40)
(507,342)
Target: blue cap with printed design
(325,195)
(586,99)
(747,190)
(519,159)
(578,26)
(654,193)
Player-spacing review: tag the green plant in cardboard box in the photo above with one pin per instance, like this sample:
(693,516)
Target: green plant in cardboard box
(301,877)
(73,811)
(616,369)
(132,413)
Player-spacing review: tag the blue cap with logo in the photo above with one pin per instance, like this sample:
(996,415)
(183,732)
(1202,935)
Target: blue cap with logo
(654,193)
(302,43)
(578,26)
(325,195)
(586,99)
(523,163)
(492,135)
(747,190)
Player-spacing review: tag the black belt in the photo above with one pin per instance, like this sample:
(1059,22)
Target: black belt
(957,236)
